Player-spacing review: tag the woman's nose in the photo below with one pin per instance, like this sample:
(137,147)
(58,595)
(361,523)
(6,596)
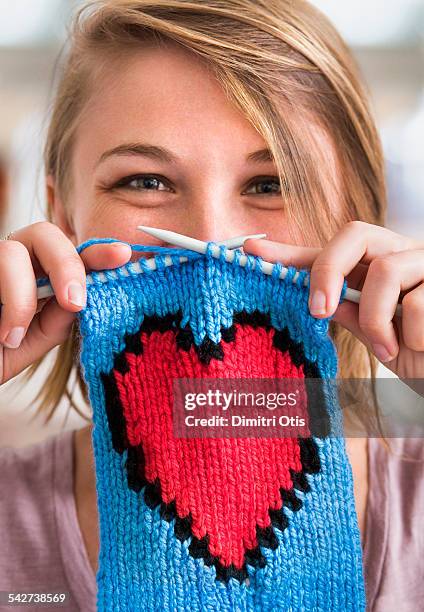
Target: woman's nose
(212,218)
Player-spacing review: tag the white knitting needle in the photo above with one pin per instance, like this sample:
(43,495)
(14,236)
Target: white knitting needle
(230,243)
(199,246)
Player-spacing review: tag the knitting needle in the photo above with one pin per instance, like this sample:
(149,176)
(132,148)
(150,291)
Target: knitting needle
(231,243)
(199,246)
(186,242)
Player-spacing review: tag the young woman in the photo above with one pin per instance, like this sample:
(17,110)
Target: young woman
(214,120)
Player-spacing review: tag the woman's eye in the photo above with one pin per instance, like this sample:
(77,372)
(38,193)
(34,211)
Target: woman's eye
(265,186)
(142,182)
(150,182)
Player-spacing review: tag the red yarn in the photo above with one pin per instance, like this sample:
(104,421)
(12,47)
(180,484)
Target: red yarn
(227,485)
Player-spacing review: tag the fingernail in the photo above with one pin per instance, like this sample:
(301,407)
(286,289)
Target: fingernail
(318,303)
(76,294)
(14,337)
(381,352)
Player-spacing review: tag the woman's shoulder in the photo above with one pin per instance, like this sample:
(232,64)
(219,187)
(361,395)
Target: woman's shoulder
(401,459)
(394,544)
(30,470)
(396,478)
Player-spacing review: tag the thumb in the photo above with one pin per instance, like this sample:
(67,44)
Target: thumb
(49,327)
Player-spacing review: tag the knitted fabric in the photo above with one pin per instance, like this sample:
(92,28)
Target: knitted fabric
(240,524)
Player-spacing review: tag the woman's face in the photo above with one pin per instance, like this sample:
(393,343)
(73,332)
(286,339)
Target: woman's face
(160,145)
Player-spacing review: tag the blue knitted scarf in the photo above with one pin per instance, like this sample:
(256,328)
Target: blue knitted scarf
(240,524)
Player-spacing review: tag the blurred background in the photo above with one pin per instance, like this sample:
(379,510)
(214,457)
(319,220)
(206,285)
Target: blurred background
(387,37)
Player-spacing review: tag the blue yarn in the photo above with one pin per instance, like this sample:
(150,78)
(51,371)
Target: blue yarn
(317,565)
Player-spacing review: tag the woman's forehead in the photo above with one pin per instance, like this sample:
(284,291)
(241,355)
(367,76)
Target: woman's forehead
(165,95)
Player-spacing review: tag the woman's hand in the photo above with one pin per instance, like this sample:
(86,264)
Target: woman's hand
(29,329)
(385,266)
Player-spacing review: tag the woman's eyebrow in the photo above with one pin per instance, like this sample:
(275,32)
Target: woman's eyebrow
(139,148)
(160,153)
(263,155)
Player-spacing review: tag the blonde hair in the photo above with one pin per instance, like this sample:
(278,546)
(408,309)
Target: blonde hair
(282,64)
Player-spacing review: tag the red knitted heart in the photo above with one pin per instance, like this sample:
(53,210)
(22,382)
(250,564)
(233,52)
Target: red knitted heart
(227,494)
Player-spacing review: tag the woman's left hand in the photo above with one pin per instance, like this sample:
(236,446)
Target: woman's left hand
(385,266)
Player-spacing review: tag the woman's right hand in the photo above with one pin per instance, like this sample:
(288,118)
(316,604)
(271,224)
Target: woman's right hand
(29,329)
